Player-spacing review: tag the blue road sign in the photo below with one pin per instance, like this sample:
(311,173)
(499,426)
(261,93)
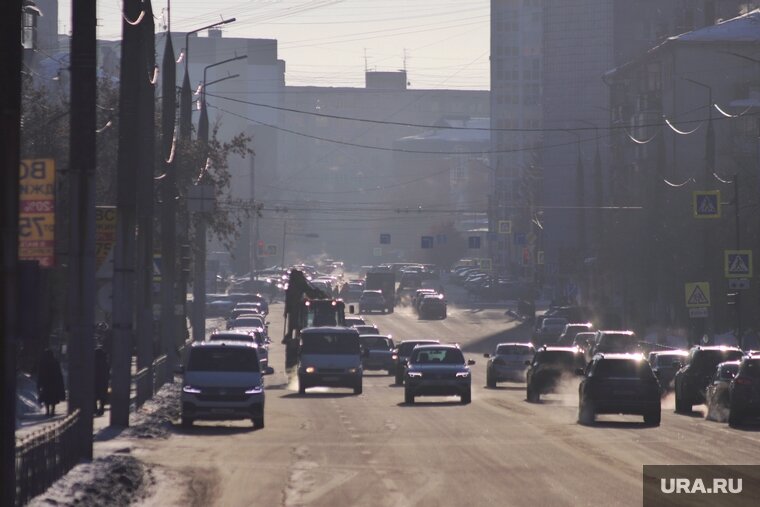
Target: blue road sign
(385,239)
(427,242)
(706,204)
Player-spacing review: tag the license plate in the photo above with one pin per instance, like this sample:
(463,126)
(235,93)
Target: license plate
(623,393)
(221,410)
(330,379)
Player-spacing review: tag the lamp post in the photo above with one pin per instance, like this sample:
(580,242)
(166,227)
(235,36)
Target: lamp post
(709,170)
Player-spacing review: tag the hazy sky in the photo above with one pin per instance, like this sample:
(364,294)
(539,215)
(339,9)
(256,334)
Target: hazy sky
(324,41)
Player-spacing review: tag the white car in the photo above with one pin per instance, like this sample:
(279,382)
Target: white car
(330,357)
(222,381)
(252,336)
(508,362)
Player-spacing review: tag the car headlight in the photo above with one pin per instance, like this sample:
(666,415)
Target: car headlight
(463,374)
(310,369)
(414,374)
(255,390)
(190,389)
(394,356)
(353,370)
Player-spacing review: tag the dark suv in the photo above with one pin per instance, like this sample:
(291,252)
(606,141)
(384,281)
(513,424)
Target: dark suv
(547,368)
(745,391)
(619,384)
(691,381)
(401,355)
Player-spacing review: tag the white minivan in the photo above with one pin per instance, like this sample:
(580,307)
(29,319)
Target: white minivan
(222,381)
(330,357)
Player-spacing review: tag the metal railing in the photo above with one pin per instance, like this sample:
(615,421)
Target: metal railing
(45,456)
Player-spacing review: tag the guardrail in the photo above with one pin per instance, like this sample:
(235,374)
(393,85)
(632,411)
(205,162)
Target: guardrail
(45,456)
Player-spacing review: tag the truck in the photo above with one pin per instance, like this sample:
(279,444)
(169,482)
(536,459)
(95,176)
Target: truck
(383,281)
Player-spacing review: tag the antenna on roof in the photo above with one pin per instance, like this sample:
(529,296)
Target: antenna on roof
(365,60)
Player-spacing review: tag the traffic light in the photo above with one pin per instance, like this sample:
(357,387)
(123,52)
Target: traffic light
(260,247)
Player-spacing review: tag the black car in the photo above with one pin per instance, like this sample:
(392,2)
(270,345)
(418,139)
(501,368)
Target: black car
(401,355)
(619,384)
(691,381)
(438,370)
(432,307)
(717,393)
(377,352)
(665,364)
(744,392)
(548,367)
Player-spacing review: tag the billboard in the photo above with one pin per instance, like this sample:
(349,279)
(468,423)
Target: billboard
(36,226)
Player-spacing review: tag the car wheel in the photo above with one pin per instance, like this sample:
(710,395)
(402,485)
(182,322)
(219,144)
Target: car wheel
(301,386)
(391,372)
(532,395)
(408,397)
(187,422)
(653,418)
(466,397)
(258,422)
(681,406)
(399,378)
(586,413)
(358,388)
(490,381)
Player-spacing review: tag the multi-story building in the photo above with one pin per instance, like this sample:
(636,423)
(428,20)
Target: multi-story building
(339,157)
(516,67)
(704,83)
(582,40)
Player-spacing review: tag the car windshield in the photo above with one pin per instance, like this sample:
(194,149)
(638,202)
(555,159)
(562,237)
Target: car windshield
(376,343)
(238,337)
(433,356)
(751,368)
(248,322)
(509,350)
(623,368)
(223,359)
(329,343)
(554,322)
(367,329)
(668,359)
(406,348)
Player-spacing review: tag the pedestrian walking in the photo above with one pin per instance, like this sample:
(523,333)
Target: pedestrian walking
(50,388)
(102,376)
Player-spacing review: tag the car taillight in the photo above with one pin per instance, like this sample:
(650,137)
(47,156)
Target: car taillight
(743,381)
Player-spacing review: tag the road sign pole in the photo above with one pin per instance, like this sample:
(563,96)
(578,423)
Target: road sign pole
(738,247)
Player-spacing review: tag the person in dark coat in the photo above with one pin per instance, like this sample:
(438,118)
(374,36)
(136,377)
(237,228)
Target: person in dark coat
(102,375)
(50,387)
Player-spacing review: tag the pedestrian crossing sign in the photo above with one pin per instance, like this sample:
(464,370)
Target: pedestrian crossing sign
(697,294)
(738,263)
(706,204)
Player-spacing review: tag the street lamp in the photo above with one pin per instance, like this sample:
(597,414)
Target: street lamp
(203,120)
(185,99)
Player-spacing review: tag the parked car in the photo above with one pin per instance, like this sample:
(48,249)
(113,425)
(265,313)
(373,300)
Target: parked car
(401,355)
(508,362)
(717,394)
(744,391)
(548,367)
(438,370)
(618,384)
(372,301)
(691,381)
(377,352)
(665,364)
(221,381)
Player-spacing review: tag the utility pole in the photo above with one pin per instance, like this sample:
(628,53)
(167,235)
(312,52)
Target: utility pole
(144,200)
(10,121)
(739,337)
(124,253)
(168,201)
(82,164)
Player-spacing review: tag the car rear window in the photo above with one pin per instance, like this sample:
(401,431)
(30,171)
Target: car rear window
(376,343)
(329,343)
(668,360)
(751,368)
(555,322)
(248,322)
(406,348)
(709,359)
(558,357)
(622,368)
(364,329)
(618,343)
(231,337)
(513,350)
(223,359)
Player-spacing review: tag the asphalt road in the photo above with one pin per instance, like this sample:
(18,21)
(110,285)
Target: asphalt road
(332,448)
